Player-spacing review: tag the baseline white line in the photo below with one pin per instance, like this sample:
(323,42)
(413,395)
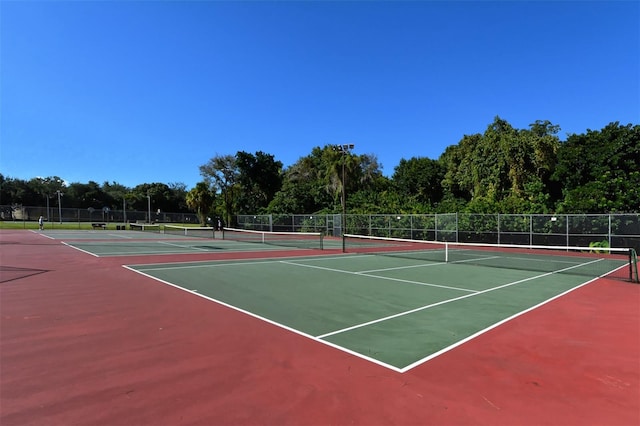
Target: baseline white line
(277,324)
(79,249)
(43,235)
(491,327)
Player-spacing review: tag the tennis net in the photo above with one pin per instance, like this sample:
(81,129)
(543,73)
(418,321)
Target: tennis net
(145,227)
(308,240)
(190,231)
(619,263)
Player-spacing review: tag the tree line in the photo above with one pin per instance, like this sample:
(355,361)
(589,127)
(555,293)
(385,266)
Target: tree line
(44,191)
(502,170)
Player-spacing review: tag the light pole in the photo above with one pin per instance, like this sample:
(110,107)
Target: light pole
(149,207)
(344,149)
(48,197)
(59,206)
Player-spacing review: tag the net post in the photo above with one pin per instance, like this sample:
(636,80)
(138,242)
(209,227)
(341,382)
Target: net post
(446,251)
(633,266)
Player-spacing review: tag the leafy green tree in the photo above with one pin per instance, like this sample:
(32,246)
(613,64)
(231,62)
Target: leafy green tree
(201,200)
(370,173)
(457,159)
(85,195)
(166,198)
(419,177)
(16,191)
(46,188)
(504,169)
(259,179)
(315,182)
(5,194)
(451,204)
(304,188)
(117,193)
(503,163)
(599,170)
(178,197)
(221,172)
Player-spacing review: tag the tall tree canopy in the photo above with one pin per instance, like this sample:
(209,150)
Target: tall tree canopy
(503,169)
(200,199)
(419,178)
(222,173)
(599,171)
(259,177)
(501,164)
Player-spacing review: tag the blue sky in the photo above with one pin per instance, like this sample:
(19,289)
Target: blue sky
(147,91)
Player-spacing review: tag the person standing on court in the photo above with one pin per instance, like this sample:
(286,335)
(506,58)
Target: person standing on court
(41,223)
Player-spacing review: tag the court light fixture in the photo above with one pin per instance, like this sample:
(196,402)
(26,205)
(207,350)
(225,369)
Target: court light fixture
(344,149)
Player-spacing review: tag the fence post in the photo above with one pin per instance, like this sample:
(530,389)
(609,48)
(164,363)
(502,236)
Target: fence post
(411,226)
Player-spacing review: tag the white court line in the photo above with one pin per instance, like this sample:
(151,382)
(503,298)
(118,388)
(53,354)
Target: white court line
(277,324)
(121,236)
(449,301)
(42,235)
(423,265)
(428,264)
(79,249)
(136,252)
(321,338)
(491,327)
(217,263)
(182,247)
(378,277)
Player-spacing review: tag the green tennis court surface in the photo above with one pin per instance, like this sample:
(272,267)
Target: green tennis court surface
(133,243)
(394,311)
(164,246)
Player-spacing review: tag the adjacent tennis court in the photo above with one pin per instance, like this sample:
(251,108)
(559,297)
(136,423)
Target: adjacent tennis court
(394,309)
(167,239)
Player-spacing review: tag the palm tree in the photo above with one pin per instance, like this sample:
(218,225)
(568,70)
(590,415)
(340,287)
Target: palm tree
(201,200)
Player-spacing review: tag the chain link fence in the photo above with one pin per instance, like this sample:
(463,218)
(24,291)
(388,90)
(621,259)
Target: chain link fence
(55,215)
(614,230)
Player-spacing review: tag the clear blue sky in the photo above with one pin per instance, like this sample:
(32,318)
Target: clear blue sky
(146,91)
